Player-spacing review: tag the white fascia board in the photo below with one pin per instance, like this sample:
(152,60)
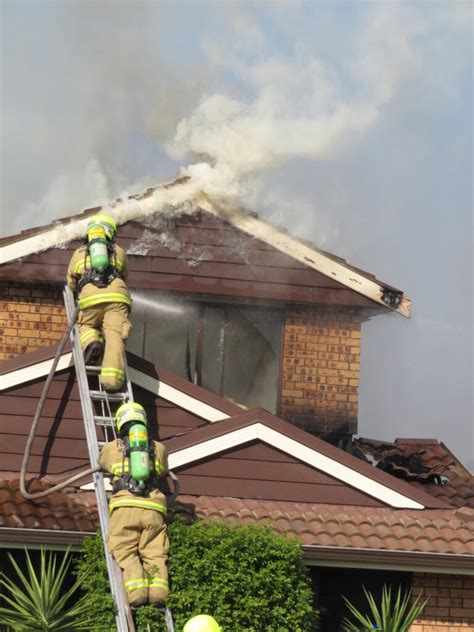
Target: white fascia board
(171,394)
(307,455)
(60,234)
(289,245)
(18,537)
(34,372)
(253,226)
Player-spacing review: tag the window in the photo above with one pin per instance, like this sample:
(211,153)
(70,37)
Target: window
(232,350)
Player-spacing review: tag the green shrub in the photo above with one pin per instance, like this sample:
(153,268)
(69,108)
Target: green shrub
(247,577)
(96,584)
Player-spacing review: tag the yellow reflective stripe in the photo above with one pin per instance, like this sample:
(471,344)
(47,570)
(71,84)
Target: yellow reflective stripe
(159,468)
(106,297)
(91,333)
(136,502)
(157,581)
(136,584)
(109,371)
(116,468)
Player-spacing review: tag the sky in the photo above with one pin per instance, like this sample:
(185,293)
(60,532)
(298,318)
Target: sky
(349,123)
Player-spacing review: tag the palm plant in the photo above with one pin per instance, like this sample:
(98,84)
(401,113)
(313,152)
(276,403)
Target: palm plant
(40,602)
(389,617)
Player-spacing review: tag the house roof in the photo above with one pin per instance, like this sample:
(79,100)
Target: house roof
(347,528)
(343,477)
(435,539)
(219,461)
(208,442)
(59,511)
(171,201)
(425,463)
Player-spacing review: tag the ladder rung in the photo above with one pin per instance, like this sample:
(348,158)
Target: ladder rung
(112,397)
(104,421)
(92,368)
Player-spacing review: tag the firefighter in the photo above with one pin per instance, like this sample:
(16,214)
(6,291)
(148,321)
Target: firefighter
(202,623)
(137,535)
(97,273)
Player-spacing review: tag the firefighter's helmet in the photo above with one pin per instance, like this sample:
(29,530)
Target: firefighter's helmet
(202,623)
(130,411)
(104,223)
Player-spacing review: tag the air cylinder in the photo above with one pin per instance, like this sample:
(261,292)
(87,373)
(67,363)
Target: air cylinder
(98,251)
(139,454)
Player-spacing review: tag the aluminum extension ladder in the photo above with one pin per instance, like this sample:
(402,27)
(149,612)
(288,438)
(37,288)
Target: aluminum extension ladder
(90,401)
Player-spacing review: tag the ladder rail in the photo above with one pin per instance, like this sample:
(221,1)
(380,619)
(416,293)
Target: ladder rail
(124,622)
(124,618)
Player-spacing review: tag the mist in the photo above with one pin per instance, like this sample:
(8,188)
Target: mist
(349,124)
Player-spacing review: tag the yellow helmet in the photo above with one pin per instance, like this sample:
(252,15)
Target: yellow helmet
(130,411)
(202,623)
(102,222)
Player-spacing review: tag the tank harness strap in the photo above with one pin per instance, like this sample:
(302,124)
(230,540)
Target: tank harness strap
(103,278)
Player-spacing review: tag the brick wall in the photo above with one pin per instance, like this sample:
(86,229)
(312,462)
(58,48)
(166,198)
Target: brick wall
(321,368)
(451,604)
(30,317)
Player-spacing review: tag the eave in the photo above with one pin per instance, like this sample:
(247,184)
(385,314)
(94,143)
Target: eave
(383,559)
(183,190)
(382,294)
(15,538)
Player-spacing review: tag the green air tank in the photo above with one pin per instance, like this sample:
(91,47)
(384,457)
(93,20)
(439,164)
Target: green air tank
(97,246)
(139,454)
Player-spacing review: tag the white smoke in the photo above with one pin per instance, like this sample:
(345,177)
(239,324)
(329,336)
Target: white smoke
(301,106)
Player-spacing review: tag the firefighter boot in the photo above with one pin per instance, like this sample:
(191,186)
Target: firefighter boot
(93,353)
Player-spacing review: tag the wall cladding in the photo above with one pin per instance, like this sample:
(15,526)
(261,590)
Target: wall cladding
(451,603)
(31,317)
(321,368)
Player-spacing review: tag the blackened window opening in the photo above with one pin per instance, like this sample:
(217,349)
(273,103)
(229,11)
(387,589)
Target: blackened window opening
(230,349)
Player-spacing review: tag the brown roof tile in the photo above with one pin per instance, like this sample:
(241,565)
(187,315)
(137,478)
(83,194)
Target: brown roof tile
(425,531)
(59,511)
(434,531)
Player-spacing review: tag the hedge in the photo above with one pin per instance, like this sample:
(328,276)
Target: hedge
(247,577)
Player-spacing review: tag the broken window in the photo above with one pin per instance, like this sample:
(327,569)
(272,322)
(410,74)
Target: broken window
(230,349)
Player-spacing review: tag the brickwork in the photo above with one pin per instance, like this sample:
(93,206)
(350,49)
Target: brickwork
(321,368)
(31,316)
(451,603)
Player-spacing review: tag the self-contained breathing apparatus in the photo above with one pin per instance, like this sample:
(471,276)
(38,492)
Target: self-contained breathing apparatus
(100,260)
(141,477)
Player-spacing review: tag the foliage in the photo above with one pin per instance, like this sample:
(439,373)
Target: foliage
(41,602)
(96,584)
(389,616)
(247,577)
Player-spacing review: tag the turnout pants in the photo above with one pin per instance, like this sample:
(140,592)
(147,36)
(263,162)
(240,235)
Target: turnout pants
(109,322)
(138,540)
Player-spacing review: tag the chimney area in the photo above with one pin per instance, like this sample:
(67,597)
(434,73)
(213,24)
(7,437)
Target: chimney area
(321,370)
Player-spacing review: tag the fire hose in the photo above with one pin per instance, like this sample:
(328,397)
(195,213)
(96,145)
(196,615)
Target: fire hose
(37,418)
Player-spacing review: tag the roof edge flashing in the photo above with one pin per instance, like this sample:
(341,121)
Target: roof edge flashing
(260,431)
(311,257)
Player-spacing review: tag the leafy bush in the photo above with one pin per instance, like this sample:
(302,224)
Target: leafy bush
(247,577)
(96,584)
